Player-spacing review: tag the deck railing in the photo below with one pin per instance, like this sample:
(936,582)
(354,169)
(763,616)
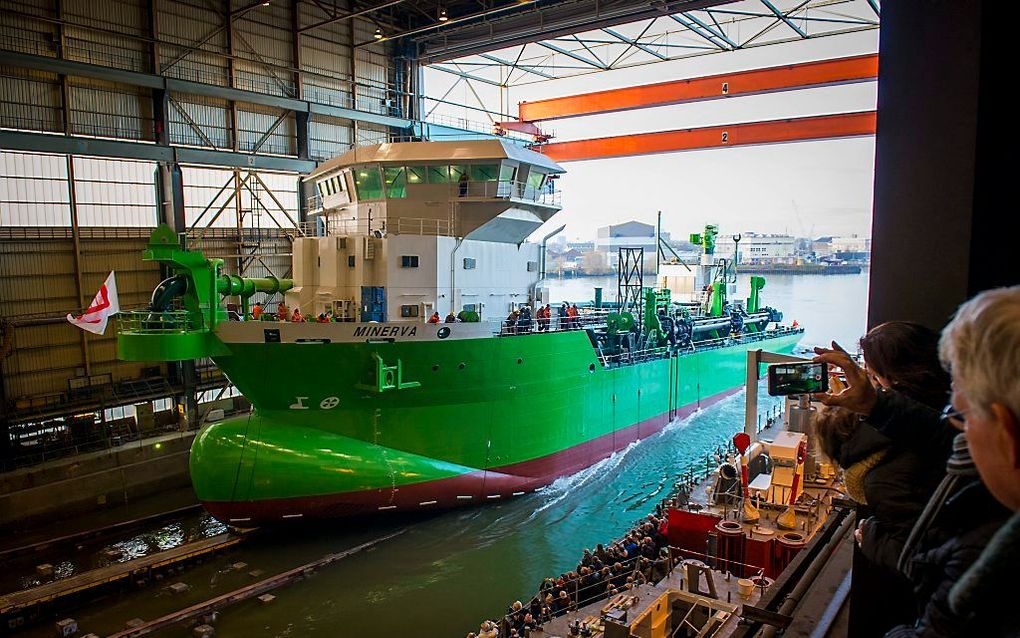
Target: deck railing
(166,322)
(505,189)
(328,227)
(556,323)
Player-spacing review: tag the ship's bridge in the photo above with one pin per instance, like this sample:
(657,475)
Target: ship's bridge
(488,190)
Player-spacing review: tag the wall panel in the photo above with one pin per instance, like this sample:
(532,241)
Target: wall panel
(31,100)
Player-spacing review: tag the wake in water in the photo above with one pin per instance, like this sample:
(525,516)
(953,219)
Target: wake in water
(564,486)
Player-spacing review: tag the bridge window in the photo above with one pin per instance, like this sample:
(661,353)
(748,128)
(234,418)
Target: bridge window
(416,174)
(457,171)
(409,261)
(368,183)
(439,174)
(507,173)
(484,172)
(396,182)
(409,310)
(535,180)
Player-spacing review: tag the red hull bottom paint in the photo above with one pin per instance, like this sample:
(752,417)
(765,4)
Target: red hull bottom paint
(472,488)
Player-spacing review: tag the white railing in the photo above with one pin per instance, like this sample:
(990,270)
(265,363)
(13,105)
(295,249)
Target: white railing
(505,189)
(328,227)
(586,317)
(423,226)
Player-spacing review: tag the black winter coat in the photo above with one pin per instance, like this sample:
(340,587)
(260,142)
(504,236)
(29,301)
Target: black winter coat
(896,489)
(955,539)
(914,425)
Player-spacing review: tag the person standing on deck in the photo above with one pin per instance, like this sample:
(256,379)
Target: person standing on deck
(256,311)
(282,312)
(575,321)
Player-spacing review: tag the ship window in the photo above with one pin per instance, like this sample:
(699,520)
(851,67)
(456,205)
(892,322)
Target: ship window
(507,173)
(484,172)
(323,188)
(396,182)
(439,174)
(535,180)
(470,263)
(409,261)
(457,171)
(338,184)
(368,183)
(350,261)
(416,174)
(409,310)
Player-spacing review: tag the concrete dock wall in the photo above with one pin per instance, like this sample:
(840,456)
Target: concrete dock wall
(66,487)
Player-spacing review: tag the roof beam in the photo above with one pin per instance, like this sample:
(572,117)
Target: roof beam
(753,133)
(782,16)
(174,85)
(95,147)
(530,68)
(349,16)
(712,33)
(861,68)
(635,43)
(570,54)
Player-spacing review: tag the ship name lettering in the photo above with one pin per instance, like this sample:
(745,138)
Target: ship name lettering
(386,331)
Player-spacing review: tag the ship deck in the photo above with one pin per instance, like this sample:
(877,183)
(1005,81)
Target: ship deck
(727,607)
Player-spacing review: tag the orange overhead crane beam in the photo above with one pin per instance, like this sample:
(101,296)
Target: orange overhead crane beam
(792,76)
(796,129)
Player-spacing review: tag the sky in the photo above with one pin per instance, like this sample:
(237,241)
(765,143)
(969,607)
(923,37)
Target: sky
(804,188)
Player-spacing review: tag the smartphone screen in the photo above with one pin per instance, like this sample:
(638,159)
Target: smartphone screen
(797,378)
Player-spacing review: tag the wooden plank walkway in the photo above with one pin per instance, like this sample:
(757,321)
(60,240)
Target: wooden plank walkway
(95,578)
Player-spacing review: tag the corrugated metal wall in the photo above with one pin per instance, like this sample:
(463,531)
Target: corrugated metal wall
(38,287)
(195,41)
(116,200)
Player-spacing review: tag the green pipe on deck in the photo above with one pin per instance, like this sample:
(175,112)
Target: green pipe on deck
(245,287)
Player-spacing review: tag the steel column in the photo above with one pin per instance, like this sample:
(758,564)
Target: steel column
(72,200)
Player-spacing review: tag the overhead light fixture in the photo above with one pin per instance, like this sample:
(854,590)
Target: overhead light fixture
(266,3)
(378,34)
(442,15)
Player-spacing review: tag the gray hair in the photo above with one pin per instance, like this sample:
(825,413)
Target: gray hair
(981,349)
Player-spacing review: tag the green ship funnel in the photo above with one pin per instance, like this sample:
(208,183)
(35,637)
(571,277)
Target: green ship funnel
(180,324)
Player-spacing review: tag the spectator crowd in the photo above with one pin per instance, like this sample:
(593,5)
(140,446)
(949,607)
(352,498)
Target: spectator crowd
(927,433)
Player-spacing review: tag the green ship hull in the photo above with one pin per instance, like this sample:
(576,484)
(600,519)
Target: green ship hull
(353,427)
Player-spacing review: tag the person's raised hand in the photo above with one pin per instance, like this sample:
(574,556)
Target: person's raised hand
(859,396)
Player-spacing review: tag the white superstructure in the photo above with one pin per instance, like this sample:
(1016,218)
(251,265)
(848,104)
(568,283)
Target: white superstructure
(407,229)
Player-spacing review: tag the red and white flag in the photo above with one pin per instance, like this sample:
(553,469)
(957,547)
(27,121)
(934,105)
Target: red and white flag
(99,311)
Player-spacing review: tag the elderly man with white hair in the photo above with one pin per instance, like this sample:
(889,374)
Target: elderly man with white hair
(981,349)
(966,546)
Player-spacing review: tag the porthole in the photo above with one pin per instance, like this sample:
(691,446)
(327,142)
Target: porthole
(520,361)
(591,367)
(461,365)
(435,368)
